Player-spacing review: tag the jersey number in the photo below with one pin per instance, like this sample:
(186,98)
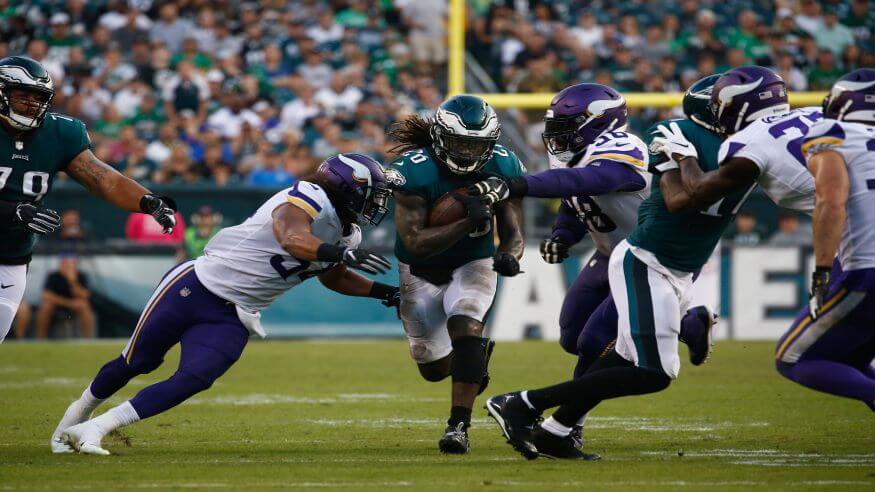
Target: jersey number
(34,183)
(276,261)
(415,156)
(596,220)
(794,146)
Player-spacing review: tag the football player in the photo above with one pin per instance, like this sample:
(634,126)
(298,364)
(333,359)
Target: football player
(600,172)
(831,344)
(764,143)
(650,275)
(448,273)
(34,145)
(211,305)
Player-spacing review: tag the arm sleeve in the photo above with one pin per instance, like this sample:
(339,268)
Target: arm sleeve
(596,178)
(567,227)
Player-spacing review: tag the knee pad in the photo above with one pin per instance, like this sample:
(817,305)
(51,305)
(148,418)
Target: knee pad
(469,359)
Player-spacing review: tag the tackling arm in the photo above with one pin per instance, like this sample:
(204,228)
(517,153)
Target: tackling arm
(705,189)
(291,227)
(411,213)
(105,182)
(831,197)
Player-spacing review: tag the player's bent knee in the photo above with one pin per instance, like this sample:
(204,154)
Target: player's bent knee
(194,383)
(460,326)
(144,365)
(568,340)
(435,371)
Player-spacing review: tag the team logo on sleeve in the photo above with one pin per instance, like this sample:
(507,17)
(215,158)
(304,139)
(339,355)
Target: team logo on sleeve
(395,178)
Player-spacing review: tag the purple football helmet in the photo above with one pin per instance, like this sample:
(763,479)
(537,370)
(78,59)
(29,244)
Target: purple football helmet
(852,98)
(743,95)
(357,184)
(580,114)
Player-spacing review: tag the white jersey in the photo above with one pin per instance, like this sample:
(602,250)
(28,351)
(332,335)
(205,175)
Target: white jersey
(856,144)
(246,265)
(774,144)
(611,217)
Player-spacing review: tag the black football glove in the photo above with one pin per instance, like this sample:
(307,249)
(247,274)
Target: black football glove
(505,264)
(553,250)
(491,190)
(478,210)
(366,261)
(38,220)
(394,300)
(819,288)
(161,208)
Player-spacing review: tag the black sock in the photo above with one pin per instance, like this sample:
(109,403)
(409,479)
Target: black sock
(610,377)
(460,414)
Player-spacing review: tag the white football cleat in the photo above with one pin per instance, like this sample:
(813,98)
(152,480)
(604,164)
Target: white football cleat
(59,446)
(85,438)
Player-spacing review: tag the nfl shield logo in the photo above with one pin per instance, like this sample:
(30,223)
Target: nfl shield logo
(19,145)
(184,292)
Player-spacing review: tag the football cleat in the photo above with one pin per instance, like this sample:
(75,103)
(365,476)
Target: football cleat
(59,446)
(455,440)
(555,447)
(72,416)
(484,383)
(699,342)
(85,438)
(516,419)
(576,435)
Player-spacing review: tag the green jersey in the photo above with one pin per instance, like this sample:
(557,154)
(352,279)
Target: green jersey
(418,172)
(28,164)
(685,240)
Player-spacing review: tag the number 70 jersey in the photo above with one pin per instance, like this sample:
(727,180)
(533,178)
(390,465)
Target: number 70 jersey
(774,144)
(246,265)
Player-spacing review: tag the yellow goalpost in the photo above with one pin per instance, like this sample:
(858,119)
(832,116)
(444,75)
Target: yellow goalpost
(456,79)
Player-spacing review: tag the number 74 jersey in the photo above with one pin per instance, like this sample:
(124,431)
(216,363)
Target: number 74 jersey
(246,265)
(774,144)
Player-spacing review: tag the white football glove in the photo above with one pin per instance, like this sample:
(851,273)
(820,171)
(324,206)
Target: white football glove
(673,143)
(491,190)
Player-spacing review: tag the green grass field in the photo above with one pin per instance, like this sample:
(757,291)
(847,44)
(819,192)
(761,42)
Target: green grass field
(356,416)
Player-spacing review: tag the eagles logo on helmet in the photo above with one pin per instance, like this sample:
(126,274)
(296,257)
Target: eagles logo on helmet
(19,73)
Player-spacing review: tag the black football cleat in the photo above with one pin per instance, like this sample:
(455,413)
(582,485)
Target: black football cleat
(516,420)
(484,383)
(576,435)
(455,440)
(551,446)
(699,342)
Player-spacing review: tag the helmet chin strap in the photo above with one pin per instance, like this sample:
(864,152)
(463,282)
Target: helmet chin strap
(19,122)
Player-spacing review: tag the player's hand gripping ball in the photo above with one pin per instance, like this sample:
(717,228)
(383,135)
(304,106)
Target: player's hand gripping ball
(505,264)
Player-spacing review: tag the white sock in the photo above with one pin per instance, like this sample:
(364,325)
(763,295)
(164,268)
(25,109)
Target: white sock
(116,417)
(553,427)
(78,411)
(582,420)
(525,396)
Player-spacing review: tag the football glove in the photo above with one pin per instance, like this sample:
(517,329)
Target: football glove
(819,288)
(161,208)
(505,264)
(38,220)
(554,250)
(478,210)
(673,143)
(394,301)
(491,190)
(364,260)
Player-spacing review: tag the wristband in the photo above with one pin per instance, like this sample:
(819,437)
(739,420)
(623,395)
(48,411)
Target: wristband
(330,253)
(382,291)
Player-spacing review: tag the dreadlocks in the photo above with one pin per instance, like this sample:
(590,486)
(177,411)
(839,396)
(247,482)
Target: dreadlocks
(414,132)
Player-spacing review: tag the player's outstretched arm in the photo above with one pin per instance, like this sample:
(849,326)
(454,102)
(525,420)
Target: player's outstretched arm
(116,188)
(707,188)
(673,193)
(511,244)
(411,213)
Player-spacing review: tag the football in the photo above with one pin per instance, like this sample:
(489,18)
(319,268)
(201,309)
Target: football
(447,209)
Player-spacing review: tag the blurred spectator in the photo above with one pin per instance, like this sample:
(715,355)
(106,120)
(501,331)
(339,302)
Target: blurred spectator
(832,35)
(170,29)
(791,232)
(186,90)
(66,293)
(205,224)
(230,119)
(427,30)
(587,32)
(71,232)
(822,76)
(747,230)
(271,173)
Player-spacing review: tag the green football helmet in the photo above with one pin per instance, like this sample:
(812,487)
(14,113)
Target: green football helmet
(22,73)
(464,132)
(697,102)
